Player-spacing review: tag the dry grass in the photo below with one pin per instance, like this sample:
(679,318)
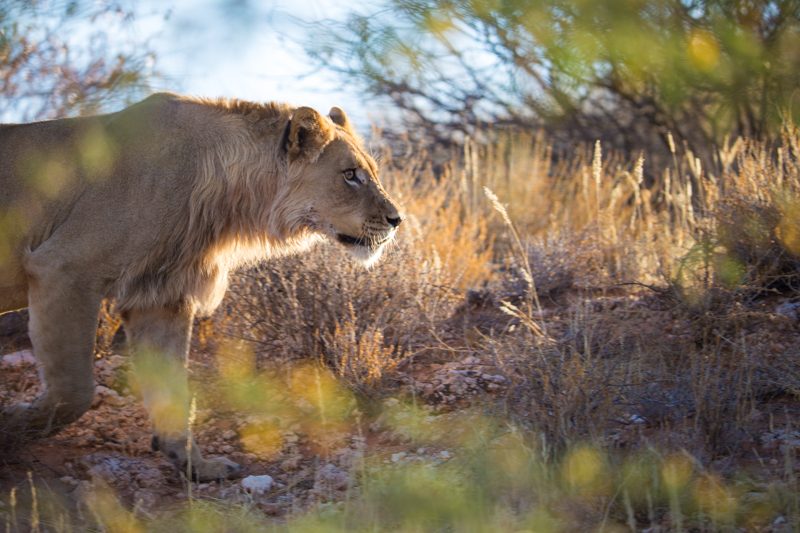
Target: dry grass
(559,239)
(363,323)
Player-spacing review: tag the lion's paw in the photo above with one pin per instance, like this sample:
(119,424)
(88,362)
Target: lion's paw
(215,468)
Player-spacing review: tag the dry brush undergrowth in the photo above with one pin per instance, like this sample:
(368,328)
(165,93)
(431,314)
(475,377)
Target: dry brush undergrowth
(607,292)
(363,323)
(692,244)
(641,318)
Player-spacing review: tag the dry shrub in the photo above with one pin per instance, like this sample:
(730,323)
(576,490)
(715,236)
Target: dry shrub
(720,242)
(758,220)
(563,263)
(459,245)
(448,226)
(559,391)
(324,305)
(602,211)
(744,226)
(363,322)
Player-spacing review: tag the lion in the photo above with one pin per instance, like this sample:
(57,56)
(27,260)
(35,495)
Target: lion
(154,206)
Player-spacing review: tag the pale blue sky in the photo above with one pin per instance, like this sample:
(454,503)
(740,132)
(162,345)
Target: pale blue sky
(250,50)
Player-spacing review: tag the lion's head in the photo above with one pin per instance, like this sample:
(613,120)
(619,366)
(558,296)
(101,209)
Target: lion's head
(338,180)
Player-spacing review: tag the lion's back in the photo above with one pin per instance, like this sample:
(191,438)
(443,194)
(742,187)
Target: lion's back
(106,177)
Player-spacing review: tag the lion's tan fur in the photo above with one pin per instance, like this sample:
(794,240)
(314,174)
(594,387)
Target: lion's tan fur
(154,206)
(216,237)
(239,207)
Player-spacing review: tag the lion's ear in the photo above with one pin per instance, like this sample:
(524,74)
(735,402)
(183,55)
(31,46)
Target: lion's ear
(308,133)
(339,117)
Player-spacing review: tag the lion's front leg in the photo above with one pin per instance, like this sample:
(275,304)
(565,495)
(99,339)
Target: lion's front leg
(159,341)
(63,318)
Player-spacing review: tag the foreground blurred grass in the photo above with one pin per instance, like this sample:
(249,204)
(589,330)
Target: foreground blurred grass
(583,228)
(499,480)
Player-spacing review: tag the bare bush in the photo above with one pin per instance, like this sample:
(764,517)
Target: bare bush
(45,72)
(325,305)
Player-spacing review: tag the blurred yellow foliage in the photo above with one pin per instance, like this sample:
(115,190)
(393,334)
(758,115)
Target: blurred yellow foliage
(676,472)
(703,50)
(161,380)
(585,472)
(263,439)
(715,499)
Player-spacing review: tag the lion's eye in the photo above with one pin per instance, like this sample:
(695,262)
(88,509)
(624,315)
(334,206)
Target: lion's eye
(350,176)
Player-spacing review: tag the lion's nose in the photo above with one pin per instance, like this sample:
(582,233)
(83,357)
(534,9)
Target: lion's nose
(394,221)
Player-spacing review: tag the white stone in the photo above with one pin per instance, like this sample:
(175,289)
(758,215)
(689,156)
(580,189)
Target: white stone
(257,484)
(637,419)
(18,359)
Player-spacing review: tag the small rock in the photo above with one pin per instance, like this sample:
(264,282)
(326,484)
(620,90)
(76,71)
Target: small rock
(86,440)
(18,359)
(111,371)
(397,457)
(228,434)
(257,484)
(292,463)
(103,394)
(444,454)
(637,419)
(121,471)
(788,309)
(331,477)
(145,500)
(117,361)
